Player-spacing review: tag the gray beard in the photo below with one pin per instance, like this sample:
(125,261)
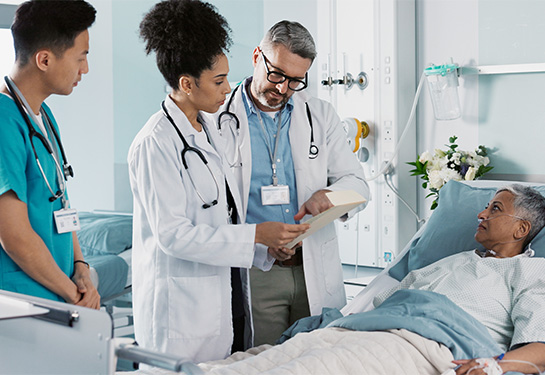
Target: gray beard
(263,101)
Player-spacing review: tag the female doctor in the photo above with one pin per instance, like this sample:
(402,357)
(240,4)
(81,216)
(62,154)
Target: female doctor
(186,201)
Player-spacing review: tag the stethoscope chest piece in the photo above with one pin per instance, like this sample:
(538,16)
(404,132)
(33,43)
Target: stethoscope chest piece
(313,151)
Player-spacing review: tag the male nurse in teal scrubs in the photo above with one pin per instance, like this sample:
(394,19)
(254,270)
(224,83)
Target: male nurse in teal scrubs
(39,251)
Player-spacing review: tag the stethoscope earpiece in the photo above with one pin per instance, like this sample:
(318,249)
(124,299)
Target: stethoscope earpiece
(57,195)
(208,205)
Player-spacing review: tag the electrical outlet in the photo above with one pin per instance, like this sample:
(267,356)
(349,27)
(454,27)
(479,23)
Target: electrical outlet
(387,256)
(388,135)
(388,199)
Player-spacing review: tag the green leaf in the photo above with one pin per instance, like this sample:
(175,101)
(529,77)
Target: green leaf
(481,151)
(482,170)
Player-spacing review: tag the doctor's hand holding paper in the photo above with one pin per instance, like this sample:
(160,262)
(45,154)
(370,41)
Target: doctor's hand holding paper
(316,204)
(286,150)
(190,260)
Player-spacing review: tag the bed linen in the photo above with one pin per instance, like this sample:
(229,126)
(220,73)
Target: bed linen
(336,351)
(412,332)
(426,313)
(106,240)
(112,273)
(504,294)
(431,315)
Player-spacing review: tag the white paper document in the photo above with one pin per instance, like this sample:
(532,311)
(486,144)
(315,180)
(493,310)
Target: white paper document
(343,201)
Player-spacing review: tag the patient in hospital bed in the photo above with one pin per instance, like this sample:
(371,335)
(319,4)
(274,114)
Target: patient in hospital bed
(479,311)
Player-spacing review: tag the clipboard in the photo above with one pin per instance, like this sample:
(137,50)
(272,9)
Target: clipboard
(343,201)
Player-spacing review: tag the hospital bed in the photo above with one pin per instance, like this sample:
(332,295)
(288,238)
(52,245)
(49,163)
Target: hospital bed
(39,336)
(452,225)
(106,242)
(449,230)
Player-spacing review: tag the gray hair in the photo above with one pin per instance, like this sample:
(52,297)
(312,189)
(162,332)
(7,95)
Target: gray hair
(292,35)
(530,205)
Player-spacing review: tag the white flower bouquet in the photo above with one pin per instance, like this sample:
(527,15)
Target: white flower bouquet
(442,166)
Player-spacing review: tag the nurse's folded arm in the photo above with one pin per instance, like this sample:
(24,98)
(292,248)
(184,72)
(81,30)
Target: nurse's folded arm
(26,248)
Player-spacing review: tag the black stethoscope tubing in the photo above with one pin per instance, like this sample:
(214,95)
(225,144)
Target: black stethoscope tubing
(227,112)
(187,148)
(66,168)
(313,149)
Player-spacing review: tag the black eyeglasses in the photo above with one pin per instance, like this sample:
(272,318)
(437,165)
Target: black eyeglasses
(294,84)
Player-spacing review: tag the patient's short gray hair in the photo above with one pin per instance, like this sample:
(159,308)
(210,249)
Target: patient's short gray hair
(292,35)
(530,205)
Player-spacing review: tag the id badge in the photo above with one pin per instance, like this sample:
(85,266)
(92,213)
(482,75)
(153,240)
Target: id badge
(67,220)
(279,194)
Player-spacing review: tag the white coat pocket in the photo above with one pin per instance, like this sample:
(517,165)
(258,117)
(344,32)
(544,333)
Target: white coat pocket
(332,266)
(194,307)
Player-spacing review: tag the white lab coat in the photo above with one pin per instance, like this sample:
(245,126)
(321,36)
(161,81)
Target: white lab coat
(182,253)
(335,168)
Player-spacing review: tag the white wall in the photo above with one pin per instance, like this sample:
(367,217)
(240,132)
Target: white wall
(503,112)
(447,29)
(123,87)
(86,121)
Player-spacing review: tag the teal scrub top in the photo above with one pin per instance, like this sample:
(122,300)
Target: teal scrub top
(19,172)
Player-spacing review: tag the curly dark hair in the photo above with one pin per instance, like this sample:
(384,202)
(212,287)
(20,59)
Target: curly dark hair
(187,37)
(52,24)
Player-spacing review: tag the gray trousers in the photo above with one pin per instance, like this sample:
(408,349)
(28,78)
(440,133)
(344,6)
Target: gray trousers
(279,299)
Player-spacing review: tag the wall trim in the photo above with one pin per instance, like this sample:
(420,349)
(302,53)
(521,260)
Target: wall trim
(540,178)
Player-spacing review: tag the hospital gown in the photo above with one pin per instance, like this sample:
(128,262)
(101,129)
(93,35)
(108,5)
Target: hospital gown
(505,294)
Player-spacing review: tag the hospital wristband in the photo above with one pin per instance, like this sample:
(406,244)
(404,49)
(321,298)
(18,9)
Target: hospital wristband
(82,261)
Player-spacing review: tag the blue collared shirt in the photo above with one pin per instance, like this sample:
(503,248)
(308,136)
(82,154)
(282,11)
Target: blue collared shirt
(261,163)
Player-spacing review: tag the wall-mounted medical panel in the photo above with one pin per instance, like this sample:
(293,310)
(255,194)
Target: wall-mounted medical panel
(373,41)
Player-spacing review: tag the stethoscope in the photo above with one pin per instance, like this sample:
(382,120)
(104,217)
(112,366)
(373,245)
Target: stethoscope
(313,149)
(187,148)
(66,169)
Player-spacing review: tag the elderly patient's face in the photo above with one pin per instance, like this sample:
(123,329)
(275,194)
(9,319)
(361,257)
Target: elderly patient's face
(498,226)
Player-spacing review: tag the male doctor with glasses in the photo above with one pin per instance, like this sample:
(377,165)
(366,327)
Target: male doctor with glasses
(287,149)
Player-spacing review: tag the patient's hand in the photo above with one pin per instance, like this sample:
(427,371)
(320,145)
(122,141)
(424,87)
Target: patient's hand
(527,359)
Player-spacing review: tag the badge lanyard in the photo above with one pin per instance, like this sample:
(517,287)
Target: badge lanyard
(273,194)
